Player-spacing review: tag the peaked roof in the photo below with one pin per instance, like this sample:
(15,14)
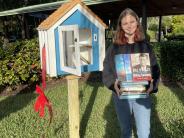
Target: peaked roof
(62,10)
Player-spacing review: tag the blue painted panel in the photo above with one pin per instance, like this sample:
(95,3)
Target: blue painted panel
(80,19)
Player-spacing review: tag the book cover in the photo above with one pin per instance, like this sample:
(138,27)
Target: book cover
(133,72)
(141,66)
(123,67)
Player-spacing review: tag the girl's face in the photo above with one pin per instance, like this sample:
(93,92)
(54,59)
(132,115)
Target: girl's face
(129,25)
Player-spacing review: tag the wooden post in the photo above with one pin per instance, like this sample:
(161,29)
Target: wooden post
(144,16)
(73,105)
(160,28)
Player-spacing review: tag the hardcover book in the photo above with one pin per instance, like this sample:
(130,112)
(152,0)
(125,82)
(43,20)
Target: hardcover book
(133,72)
(123,83)
(133,88)
(129,95)
(141,66)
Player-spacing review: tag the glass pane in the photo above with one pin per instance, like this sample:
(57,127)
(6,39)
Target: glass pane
(85,43)
(69,48)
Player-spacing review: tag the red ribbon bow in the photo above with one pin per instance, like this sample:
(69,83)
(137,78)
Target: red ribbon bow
(42,100)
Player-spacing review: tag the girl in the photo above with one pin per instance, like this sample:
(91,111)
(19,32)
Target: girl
(130,39)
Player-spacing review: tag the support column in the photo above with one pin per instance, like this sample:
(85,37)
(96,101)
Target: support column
(159,28)
(144,16)
(73,105)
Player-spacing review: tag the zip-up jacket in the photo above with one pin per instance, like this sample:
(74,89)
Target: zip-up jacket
(109,70)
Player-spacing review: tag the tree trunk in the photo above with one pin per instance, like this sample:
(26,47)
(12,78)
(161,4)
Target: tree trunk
(5,26)
(26,26)
(23,33)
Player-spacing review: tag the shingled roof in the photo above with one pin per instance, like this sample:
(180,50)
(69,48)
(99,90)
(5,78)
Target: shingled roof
(64,9)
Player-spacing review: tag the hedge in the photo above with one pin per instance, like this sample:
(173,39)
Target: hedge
(170,56)
(20,63)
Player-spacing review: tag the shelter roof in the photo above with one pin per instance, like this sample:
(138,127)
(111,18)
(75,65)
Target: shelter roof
(62,10)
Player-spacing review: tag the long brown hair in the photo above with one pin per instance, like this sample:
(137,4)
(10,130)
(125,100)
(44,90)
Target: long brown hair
(119,37)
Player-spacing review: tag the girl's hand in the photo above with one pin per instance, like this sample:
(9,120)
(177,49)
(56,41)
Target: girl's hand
(151,87)
(117,87)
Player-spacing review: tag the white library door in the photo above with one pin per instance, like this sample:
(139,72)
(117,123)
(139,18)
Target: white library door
(69,49)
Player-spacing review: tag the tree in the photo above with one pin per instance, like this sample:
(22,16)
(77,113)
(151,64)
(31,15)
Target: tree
(166,24)
(153,24)
(20,19)
(177,24)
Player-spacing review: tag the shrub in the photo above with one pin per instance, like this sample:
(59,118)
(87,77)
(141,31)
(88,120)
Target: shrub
(170,56)
(20,63)
(179,37)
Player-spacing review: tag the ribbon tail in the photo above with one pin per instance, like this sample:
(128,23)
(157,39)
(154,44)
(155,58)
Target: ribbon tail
(49,106)
(42,100)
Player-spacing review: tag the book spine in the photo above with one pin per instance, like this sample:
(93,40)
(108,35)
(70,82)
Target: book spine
(120,67)
(128,67)
(135,88)
(134,83)
(135,96)
(132,93)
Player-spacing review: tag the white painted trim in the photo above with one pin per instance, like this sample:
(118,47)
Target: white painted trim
(101,48)
(47,38)
(47,52)
(52,53)
(74,28)
(41,40)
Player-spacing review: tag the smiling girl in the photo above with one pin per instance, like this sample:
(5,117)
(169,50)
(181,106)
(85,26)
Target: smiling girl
(130,39)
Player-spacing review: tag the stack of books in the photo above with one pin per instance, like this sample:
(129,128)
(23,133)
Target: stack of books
(133,72)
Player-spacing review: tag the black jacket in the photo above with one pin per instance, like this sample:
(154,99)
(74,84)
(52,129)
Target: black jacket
(109,70)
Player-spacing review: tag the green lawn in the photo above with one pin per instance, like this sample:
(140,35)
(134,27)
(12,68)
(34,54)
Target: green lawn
(97,114)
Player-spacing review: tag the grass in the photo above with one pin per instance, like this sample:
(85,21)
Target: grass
(97,114)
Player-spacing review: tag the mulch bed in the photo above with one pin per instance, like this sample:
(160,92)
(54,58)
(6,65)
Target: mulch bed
(52,82)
